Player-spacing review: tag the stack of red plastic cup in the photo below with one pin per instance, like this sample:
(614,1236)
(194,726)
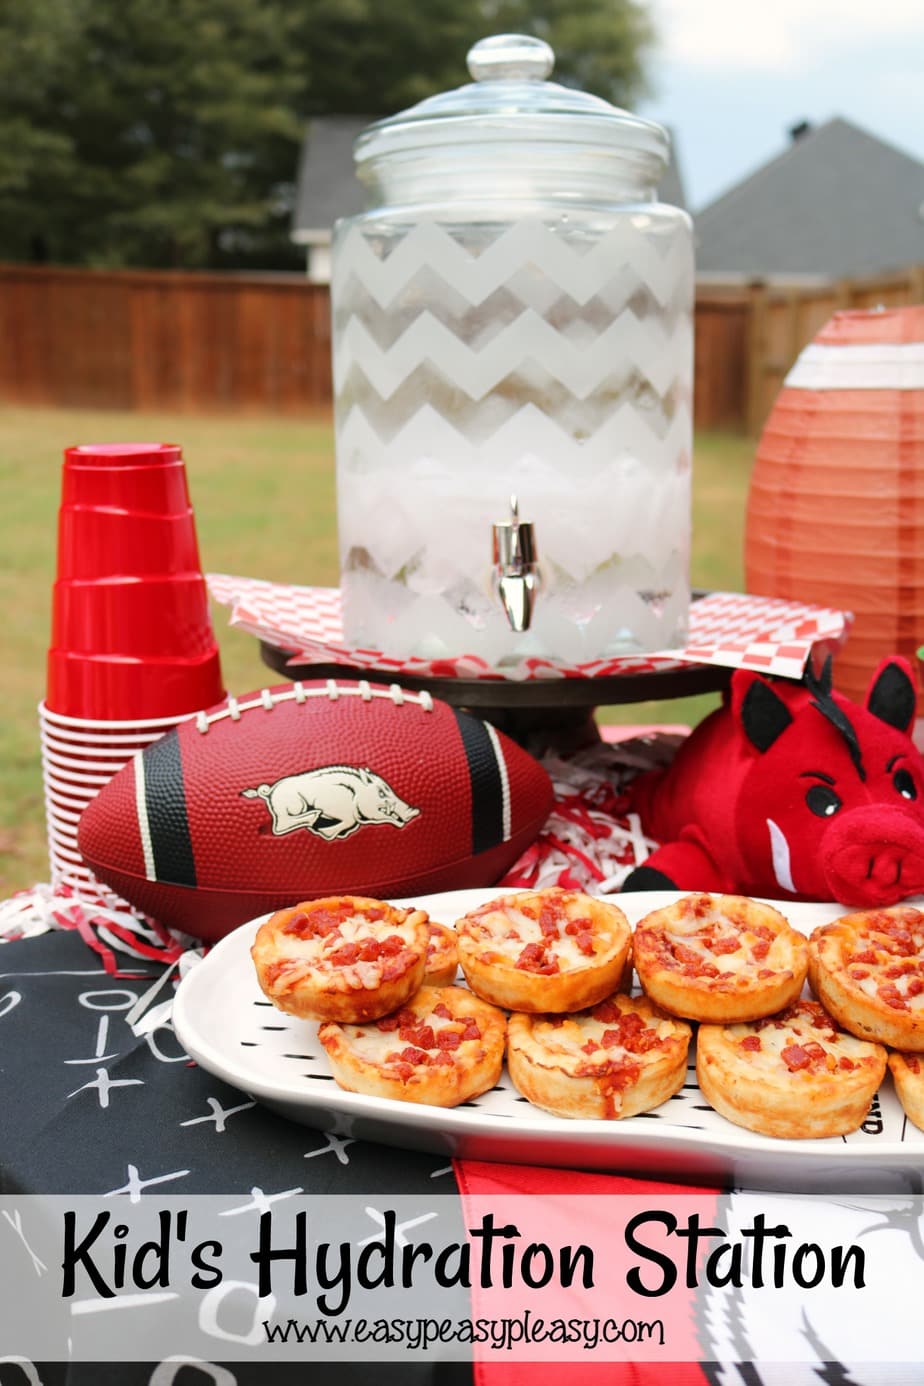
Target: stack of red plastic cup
(133,651)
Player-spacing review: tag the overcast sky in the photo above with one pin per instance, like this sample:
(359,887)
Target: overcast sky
(731,77)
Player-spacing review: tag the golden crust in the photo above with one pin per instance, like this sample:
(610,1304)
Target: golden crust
(442,957)
(621,1057)
(548,950)
(443,1047)
(908,1075)
(345,957)
(868,970)
(719,959)
(794,1075)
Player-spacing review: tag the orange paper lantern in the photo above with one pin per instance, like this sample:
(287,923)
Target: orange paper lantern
(836,505)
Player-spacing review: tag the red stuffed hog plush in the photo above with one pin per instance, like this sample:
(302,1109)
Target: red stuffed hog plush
(793,792)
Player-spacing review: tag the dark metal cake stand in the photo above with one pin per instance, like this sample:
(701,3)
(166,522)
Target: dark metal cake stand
(543,712)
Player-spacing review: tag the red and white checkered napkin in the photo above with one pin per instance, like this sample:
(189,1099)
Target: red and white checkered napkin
(726,628)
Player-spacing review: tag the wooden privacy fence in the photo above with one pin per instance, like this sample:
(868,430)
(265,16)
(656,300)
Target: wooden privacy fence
(782,322)
(162,340)
(159,340)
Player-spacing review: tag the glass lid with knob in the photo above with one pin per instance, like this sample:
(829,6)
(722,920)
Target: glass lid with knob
(511,101)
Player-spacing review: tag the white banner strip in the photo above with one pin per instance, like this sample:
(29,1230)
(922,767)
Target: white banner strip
(776,1288)
(864,367)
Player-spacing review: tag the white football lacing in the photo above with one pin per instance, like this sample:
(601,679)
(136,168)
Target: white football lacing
(298,693)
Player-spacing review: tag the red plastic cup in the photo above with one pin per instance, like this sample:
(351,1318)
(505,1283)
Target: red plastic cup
(132,639)
(125,509)
(149,616)
(147,687)
(99,542)
(147,478)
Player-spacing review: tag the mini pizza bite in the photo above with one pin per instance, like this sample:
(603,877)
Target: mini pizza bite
(341,958)
(620,1057)
(547,950)
(795,1075)
(908,1076)
(442,957)
(719,958)
(442,1047)
(868,969)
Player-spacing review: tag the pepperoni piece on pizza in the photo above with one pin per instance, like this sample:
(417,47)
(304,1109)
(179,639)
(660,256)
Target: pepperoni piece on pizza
(547,950)
(618,1058)
(345,957)
(796,1075)
(868,969)
(719,958)
(442,1047)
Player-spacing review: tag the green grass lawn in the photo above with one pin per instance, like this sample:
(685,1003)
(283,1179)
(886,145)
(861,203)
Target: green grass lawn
(264,496)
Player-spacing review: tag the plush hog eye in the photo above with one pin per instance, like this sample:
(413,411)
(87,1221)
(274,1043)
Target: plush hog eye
(905,785)
(823,801)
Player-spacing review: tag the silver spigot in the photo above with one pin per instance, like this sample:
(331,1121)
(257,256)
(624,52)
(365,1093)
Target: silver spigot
(515,575)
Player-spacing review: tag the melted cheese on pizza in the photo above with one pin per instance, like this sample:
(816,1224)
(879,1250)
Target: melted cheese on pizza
(362,947)
(552,935)
(803,1038)
(407,1038)
(606,1040)
(884,957)
(703,940)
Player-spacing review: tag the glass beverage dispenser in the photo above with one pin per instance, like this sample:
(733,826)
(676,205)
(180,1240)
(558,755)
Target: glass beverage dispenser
(513,376)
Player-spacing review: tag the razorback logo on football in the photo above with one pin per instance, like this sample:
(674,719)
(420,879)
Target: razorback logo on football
(332,802)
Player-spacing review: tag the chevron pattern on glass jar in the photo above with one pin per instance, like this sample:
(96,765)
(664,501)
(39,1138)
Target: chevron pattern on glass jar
(628,347)
(526,433)
(479,261)
(553,363)
(529,389)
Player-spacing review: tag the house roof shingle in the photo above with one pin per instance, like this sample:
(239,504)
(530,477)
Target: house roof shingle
(327,186)
(837,202)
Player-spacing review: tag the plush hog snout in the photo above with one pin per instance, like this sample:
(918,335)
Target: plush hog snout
(873,856)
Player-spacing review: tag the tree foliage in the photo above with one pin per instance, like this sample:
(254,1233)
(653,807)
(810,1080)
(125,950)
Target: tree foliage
(367,56)
(166,132)
(151,132)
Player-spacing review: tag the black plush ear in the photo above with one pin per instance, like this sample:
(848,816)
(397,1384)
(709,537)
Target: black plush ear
(891,695)
(764,716)
(819,685)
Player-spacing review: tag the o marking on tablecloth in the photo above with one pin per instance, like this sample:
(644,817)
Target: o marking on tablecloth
(86,998)
(211,1303)
(158,1053)
(9,1002)
(27,1368)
